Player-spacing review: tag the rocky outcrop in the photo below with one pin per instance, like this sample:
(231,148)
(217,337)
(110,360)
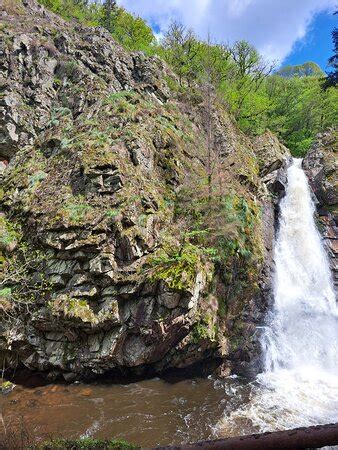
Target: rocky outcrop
(273,159)
(271,154)
(320,165)
(103,269)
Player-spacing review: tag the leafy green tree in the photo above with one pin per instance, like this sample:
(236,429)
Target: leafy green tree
(109,13)
(299,110)
(332,77)
(215,61)
(180,50)
(242,88)
(132,32)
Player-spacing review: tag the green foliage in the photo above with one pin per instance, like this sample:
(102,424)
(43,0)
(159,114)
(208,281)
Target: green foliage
(75,210)
(112,213)
(6,386)
(132,32)
(21,279)
(86,444)
(9,233)
(5,292)
(73,308)
(224,225)
(180,49)
(204,329)
(291,102)
(124,103)
(302,70)
(226,228)
(244,217)
(178,267)
(57,114)
(115,97)
(299,109)
(89,13)
(36,178)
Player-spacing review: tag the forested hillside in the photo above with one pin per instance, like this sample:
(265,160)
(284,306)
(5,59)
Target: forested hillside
(295,102)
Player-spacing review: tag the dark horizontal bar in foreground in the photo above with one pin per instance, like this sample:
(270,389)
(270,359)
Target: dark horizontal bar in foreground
(296,439)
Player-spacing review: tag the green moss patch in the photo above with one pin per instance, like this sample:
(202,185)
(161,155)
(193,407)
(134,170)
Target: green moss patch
(178,267)
(86,444)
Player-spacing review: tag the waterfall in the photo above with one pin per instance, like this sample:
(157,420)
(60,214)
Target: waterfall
(299,385)
(303,331)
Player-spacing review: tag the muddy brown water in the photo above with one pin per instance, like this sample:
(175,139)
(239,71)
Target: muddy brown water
(148,413)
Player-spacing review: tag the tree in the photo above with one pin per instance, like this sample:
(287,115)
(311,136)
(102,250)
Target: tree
(243,90)
(332,77)
(215,59)
(109,13)
(132,32)
(181,48)
(299,110)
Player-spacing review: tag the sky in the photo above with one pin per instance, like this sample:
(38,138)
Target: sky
(284,31)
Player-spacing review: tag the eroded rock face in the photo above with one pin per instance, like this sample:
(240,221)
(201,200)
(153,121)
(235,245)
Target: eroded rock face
(99,150)
(320,165)
(271,154)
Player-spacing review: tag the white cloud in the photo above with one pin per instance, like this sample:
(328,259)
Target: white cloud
(273,26)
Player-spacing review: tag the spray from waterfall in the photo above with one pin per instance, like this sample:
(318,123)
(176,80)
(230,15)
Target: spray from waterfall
(299,386)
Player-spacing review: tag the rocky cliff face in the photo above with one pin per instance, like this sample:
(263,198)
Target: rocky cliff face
(320,165)
(101,269)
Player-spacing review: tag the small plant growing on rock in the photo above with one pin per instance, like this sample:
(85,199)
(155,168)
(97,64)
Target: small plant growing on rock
(121,95)
(9,234)
(204,330)
(21,281)
(73,308)
(36,178)
(6,386)
(76,210)
(178,267)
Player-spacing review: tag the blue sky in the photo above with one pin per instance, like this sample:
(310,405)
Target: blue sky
(317,44)
(284,31)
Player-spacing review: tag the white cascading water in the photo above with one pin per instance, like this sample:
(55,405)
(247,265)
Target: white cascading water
(299,386)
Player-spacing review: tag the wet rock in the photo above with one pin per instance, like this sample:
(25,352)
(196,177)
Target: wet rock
(320,165)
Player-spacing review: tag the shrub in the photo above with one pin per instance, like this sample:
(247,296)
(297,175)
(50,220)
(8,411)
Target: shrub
(178,267)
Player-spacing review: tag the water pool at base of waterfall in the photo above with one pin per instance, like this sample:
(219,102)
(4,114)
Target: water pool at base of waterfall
(158,412)
(148,413)
(299,386)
